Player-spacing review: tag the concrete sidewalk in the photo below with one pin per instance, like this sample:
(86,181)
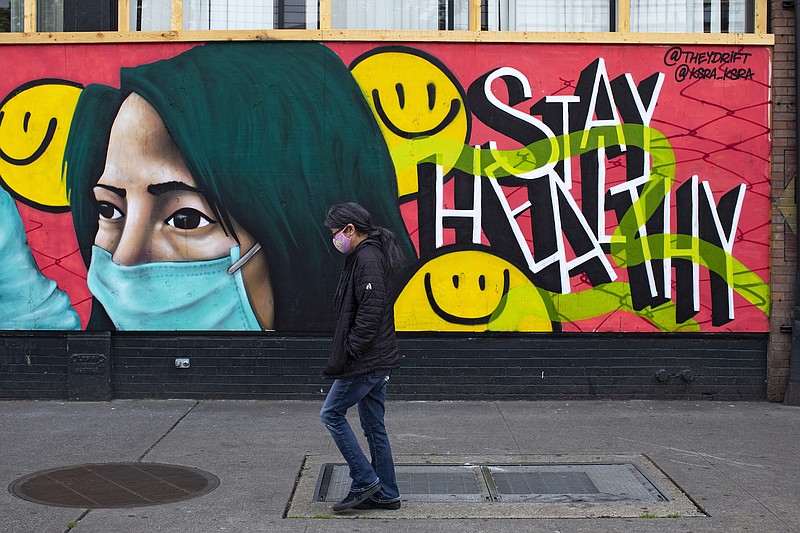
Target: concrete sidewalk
(738,462)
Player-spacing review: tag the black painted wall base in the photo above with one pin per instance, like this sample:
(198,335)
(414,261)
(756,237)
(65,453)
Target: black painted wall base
(440,367)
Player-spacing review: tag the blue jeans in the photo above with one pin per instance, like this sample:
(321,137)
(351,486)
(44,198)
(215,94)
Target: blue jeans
(369,392)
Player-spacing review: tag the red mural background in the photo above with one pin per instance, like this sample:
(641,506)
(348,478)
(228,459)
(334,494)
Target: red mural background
(713,108)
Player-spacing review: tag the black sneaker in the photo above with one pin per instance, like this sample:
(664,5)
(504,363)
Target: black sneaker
(372,504)
(355,498)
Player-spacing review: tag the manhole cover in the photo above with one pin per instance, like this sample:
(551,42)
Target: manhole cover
(114,485)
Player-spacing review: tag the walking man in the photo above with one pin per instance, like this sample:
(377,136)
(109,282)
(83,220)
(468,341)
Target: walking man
(363,354)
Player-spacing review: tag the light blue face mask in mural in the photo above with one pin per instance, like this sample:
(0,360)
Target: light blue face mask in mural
(173,295)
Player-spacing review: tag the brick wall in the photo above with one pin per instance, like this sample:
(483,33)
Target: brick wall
(585,366)
(434,367)
(33,366)
(784,213)
(439,367)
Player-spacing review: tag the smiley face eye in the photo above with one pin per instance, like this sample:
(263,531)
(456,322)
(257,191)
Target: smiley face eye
(401,95)
(482,282)
(188,218)
(455,281)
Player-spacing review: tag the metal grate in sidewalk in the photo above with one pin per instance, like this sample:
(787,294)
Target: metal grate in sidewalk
(571,483)
(546,483)
(425,483)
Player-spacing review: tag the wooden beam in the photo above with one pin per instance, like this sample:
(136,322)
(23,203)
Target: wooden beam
(124,15)
(176,17)
(761,16)
(635,38)
(623,16)
(29,16)
(325,14)
(475,15)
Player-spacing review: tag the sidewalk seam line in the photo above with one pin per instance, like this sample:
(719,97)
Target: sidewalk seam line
(164,436)
(756,498)
(503,416)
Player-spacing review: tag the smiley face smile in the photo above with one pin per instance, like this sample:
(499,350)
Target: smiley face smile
(43,146)
(455,107)
(466,321)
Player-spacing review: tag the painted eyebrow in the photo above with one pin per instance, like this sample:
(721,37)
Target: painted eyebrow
(157,189)
(116,190)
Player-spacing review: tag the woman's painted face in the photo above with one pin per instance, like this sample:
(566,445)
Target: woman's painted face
(150,209)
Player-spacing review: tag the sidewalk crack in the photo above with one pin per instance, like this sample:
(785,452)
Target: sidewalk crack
(72,525)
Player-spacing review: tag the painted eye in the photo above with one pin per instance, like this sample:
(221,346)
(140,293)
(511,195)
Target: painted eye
(188,218)
(482,282)
(109,211)
(401,95)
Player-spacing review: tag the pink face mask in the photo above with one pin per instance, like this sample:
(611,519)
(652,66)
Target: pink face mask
(342,243)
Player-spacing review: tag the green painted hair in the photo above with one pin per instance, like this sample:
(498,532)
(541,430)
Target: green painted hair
(273,133)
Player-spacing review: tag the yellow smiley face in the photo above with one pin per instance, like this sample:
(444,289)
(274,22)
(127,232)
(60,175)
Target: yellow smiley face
(34,124)
(470,290)
(413,96)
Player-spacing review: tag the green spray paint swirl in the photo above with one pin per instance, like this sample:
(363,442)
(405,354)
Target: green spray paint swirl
(627,249)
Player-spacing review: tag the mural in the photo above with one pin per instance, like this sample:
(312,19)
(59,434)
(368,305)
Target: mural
(534,187)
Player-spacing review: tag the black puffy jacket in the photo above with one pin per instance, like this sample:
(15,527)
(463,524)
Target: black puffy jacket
(364,339)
